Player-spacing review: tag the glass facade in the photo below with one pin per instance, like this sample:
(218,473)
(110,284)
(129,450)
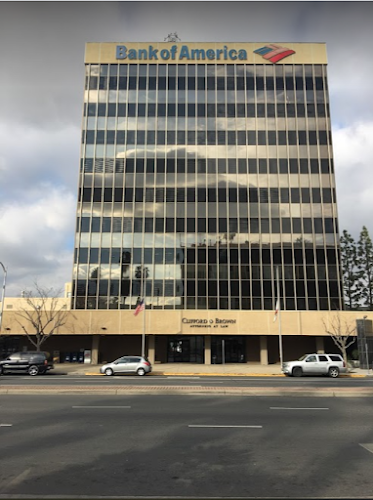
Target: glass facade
(207,176)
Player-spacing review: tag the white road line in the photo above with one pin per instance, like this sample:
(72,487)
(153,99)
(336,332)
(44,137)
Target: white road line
(89,378)
(55,379)
(101,407)
(367,446)
(226,379)
(283,408)
(227,426)
(67,377)
(6,425)
(212,382)
(18,479)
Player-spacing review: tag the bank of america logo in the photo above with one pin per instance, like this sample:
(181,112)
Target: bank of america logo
(274,53)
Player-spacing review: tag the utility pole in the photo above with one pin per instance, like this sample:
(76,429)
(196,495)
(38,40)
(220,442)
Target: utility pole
(279,314)
(3,295)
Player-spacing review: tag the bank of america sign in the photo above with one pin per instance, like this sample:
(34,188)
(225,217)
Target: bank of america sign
(274,53)
(181,53)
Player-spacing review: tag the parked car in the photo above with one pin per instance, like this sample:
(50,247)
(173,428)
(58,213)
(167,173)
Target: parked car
(31,362)
(127,364)
(316,364)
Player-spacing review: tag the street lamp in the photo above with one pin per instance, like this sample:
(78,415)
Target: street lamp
(2,295)
(366,343)
(144,276)
(364,318)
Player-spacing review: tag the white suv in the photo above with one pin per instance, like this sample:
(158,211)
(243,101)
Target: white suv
(315,364)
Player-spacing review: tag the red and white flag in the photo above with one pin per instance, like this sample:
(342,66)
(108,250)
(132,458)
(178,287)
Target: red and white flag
(276,310)
(140,307)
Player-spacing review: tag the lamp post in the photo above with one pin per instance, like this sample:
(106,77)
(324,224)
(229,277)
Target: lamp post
(279,315)
(366,343)
(144,276)
(142,273)
(2,295)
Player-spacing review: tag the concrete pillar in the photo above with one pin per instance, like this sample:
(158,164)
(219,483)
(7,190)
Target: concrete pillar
(95,348)
(207,350)
(263,350)
(320,349)
(151,349)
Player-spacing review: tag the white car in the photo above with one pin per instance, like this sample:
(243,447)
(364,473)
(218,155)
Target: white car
(316,364)
(127,364)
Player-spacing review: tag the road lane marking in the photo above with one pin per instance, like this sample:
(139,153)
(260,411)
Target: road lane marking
(86,379)
(6,425)
(299,408)
(367,446)
(227,426)
(101,407)
(181,378)
(209,382)
(18,479)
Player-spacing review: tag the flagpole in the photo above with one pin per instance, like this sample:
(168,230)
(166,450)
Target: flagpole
(143,325)
(279,313)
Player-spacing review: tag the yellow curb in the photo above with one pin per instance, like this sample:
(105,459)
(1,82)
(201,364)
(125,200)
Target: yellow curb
(200,374)
(176,374)
(220,374)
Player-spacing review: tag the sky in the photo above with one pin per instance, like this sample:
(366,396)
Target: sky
(41,81)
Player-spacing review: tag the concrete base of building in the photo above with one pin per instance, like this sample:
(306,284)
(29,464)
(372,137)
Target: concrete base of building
(191,369)
(208,350)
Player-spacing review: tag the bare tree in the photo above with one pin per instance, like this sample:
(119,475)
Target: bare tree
(341,332)
(42,315)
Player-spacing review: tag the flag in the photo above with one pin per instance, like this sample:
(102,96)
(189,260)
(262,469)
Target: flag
(140,307)
(276,310)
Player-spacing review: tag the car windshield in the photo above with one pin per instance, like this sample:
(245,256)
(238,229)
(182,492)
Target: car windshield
(303,357)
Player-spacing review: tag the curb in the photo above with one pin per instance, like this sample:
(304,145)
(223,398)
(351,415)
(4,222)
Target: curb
(191,390)
(187,374)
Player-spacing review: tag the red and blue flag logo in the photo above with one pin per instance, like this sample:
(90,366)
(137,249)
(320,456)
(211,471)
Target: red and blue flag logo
(274,53)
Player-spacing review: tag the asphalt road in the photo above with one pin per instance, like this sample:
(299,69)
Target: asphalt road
(174,381)
(191,446)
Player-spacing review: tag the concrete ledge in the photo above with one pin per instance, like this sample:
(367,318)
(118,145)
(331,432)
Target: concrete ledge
(198,374)
(357,392)
(195,370)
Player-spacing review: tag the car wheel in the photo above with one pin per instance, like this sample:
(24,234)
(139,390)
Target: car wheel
(297,371)
(1,370)
(109,372)
(333,372)
(141,372)
(33,370)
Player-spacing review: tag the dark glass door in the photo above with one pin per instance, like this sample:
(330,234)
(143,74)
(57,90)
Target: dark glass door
(185,349)
(178,350)
(228,349)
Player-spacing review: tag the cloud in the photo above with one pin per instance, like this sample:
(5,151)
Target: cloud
(353,153)
(34,239)
(31,156)
(39,175)
(41,98)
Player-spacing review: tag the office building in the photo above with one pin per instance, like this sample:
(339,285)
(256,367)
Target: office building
(204,168)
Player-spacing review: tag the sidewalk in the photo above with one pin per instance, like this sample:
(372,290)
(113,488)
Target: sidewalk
(189,369)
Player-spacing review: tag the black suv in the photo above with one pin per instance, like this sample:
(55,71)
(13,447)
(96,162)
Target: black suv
(31,362)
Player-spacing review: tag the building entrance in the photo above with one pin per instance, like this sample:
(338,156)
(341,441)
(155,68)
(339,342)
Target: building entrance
(185,349)
(8,345)
(228,349)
